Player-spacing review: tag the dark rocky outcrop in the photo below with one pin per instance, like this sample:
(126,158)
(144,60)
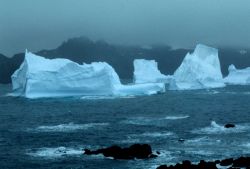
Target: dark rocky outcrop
(229,125)
(242,162)
(227,162)
(136,151)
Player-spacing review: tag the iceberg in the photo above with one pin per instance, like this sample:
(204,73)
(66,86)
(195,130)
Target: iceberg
(146,71)
(199,70)
(39,77)
(238,76)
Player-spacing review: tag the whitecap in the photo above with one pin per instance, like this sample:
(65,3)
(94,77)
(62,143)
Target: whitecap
(130,140)
(200,141)
(145,137)
(215,128)
(52,153)
(139,121)
(176,117)
(200,152)
(70,127)
(156,134)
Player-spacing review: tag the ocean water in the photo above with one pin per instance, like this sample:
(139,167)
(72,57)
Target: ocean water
(52,133)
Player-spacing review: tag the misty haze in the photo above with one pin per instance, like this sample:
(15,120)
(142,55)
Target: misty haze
(124,84)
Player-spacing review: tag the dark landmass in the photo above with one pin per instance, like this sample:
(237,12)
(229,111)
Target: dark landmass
(136,151)
(121,57)
(8,67)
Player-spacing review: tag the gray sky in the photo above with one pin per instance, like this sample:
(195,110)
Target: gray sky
(44,24)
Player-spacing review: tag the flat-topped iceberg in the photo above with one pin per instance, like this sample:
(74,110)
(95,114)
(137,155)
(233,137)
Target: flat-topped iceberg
(199,70)
(238,76)
(40,77)
(146,71)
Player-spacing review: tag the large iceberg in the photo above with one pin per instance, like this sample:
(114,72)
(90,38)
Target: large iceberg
(40,77)
(146,71)
(199,70)
(238,76)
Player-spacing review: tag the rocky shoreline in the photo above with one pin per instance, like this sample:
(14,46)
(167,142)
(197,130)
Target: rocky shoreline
(230,163)
(144,151)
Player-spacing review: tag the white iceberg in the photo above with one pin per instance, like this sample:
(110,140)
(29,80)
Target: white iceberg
(199,70)
(39,77)
(146,71)
(238,76)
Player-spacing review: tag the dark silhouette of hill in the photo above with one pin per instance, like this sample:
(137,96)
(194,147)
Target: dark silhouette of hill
(120,57)
(8,66)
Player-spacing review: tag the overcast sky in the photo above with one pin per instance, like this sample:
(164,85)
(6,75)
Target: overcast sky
(44,24)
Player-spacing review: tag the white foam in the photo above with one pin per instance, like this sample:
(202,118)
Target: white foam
(176,117)
(157,134)
(70,127)
(200,141)
(136,138)
(150,120)
(106,97)
(215,128)
(58,152)
(138,121)
(200,152)
(131,140)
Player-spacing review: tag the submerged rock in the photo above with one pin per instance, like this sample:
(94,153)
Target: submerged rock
(136,151)
(181,140)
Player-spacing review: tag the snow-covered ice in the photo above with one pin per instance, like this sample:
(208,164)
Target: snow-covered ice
(146,71)
(199,70)
(40,77)
(238,76)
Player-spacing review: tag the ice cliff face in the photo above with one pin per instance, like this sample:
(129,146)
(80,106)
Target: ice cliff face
(199,70)
(238,76)
(39,77)
(146,71)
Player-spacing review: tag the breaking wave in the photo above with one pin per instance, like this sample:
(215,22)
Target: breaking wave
(152,120)
(176,117)
(156,134)
(70,127)
(200,141)
(53,153)
(215,128)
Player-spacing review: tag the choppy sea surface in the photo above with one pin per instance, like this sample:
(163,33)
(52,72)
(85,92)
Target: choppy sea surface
(52,133)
